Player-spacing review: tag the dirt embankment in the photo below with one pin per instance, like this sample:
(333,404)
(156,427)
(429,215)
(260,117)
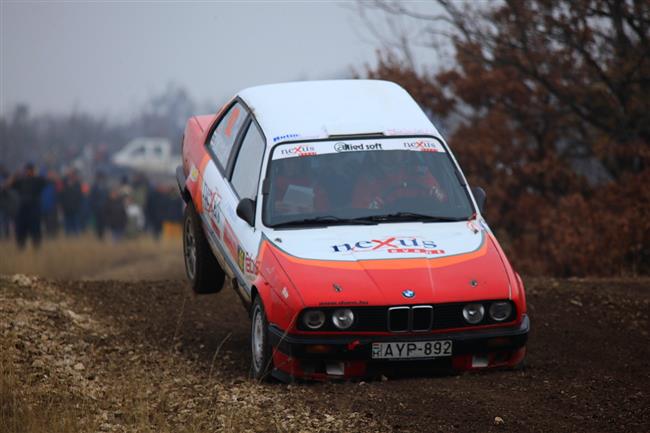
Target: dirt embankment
(148,356)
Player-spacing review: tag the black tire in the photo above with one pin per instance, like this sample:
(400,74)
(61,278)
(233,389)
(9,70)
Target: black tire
(202,269)
(261,354)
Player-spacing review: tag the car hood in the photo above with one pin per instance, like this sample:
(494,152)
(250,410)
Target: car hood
(390,264)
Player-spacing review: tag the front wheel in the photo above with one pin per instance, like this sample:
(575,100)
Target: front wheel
(262,361)
(202,269)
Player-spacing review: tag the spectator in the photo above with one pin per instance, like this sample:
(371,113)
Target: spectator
(28,187)
(71,203)
(49,204)
(140,190)
(137,207)
(135,221)
(85,214)
(7,204)
(125,188)
(115,214)
(156,210)
(98,199)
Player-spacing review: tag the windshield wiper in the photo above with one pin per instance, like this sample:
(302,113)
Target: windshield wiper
(326,221)
(414,216)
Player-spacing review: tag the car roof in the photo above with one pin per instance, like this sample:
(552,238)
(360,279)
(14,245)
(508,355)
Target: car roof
(320,109)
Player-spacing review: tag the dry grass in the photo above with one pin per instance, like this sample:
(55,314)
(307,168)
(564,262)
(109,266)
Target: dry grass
(27,410)
(88,258)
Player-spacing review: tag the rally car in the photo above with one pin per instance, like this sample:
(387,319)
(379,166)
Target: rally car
(341,218)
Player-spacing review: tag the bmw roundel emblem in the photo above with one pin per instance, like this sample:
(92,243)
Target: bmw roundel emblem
(408,293)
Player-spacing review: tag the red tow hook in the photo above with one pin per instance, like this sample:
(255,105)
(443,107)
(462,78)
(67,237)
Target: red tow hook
(353,345)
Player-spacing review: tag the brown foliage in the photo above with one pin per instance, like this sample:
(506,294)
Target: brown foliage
(536,89)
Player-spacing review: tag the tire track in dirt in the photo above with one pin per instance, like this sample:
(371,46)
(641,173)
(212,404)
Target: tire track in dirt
(587,368)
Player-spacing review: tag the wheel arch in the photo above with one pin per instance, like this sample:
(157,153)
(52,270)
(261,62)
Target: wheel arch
(264,295)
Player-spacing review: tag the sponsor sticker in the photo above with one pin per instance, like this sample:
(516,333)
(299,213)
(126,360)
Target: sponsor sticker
(194,173)
(245,262)
(299,150)
(391,245)
(285,137)
(351,147)
(328,147)
(229,239)
(211,198)
(339,303)
(423,146)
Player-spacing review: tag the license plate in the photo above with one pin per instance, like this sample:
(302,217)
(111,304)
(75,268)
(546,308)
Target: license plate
(415,349)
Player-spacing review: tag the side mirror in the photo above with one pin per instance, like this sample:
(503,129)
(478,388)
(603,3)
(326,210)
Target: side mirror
(480,196)
(246,211)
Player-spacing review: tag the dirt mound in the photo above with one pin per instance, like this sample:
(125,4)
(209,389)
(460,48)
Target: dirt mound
(149,356)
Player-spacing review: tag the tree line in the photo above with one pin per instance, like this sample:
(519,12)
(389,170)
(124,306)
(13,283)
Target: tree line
(550,102)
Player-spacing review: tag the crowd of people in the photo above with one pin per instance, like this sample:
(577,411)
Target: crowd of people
(44,203)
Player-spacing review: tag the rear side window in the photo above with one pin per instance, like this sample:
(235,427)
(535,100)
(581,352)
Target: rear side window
(224,135)
(246,175)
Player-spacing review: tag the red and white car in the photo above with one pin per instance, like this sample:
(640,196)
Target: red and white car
(348,229)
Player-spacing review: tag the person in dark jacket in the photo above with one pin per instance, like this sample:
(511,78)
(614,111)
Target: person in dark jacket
(155,210)
(98,199)
(49,204)
(71,203)
(115,214)
(28,187)
(7,207)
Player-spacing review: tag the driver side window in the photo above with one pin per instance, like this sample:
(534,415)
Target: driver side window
(225,134)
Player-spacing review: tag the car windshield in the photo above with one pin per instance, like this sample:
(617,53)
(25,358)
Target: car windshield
(363,182)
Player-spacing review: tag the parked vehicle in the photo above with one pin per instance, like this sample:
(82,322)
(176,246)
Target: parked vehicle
(349,232)
(150,155)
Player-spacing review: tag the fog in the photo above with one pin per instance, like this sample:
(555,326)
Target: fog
(107,58)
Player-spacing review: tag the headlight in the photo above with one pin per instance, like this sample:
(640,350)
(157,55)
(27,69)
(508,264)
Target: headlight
(473,313)
(500,311)
(343,318)
(313,319)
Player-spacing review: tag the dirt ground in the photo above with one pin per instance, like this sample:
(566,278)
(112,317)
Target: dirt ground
(149,356)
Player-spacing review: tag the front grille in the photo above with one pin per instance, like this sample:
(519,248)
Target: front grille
(399,319)
(422,318)
(403,319)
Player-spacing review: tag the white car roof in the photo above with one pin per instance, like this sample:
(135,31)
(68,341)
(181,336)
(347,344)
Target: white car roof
(319,109)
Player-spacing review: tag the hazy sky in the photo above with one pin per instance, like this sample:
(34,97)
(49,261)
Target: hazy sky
(108,57)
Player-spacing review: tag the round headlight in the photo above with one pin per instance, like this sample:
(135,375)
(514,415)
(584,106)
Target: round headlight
(313,319)
(500,311)
(473,313)
(343,318)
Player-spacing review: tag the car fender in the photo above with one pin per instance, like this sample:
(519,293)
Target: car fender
(517,294)
(279,295)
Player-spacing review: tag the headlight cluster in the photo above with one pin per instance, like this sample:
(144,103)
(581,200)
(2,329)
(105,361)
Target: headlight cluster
(342,318)
(498,311)
(314,319)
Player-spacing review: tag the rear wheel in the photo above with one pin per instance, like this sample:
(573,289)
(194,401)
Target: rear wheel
(262,361)
(202,269)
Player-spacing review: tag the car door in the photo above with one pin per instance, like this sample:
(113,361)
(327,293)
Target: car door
(244,183)
(216,193)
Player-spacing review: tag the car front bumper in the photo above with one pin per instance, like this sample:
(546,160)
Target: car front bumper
(321,357)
